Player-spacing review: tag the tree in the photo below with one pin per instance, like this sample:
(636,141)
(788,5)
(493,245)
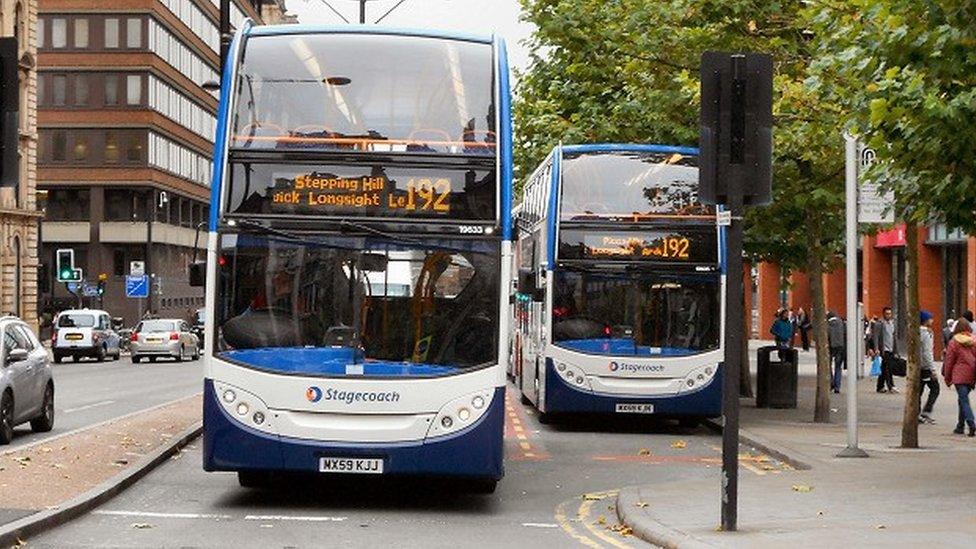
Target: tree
(627,71)
(908,74)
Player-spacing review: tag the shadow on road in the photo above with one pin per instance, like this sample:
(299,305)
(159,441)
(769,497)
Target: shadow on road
(323,492)
(615,423)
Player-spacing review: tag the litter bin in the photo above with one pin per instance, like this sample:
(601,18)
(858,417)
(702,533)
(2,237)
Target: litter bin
(776,378)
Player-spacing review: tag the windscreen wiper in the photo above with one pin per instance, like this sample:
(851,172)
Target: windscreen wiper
(377,232)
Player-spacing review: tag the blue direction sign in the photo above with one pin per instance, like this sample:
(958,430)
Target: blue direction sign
(136,286)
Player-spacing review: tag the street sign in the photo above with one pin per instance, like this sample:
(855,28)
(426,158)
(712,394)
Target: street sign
(137,286)
(874,205)
(73,286)
(137,268)
(88,289)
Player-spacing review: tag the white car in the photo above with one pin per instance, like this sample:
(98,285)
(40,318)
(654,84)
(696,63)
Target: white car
(84,333)
(26,382)
(163,337)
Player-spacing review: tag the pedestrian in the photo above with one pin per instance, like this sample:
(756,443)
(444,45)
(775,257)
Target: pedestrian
(959,370)
(886,345)
(837,341)
(792,320)
(782,331)
(947,333)
(926,364)
(804,325)
(968,315)
(869,335)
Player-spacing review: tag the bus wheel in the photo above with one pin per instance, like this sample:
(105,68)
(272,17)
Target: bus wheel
(481,486)
(544,418)
(252,479)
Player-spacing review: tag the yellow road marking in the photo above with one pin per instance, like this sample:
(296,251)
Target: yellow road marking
(564,523)
(594,528)
(525,446)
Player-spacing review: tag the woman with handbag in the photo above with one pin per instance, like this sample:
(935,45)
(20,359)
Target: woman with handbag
(959,370)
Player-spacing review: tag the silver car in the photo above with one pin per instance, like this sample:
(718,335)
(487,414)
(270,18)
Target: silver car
(166,337)
(26,383)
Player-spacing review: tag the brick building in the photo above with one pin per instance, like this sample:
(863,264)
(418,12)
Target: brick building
(18,210)
(947,279)
(125,141)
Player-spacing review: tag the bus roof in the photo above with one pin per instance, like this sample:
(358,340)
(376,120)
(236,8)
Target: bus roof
(629,147)
(277,30)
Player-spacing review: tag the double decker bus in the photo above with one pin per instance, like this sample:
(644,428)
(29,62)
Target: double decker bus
(358,247)
(620,276)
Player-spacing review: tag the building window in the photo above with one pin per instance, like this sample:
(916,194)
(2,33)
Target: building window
(111,33)
(60,89)
(81,33)
(41,38)
(81,89)
(111,147)
(111,89)
(133,152)
(59,33)
(81,148)
(118,262)
(59,144)
(68,205)
(133,89)
(41,80)
(133,33)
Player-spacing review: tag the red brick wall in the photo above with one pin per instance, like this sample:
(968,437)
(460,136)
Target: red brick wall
(876,277)
(800,291)
(930,292)
(971,274)
(835,284)
(768,285)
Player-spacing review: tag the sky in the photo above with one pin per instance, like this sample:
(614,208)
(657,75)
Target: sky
(473,16)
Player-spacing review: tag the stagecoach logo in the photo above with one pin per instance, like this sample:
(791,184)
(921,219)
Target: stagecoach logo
(635,368)
(313,394)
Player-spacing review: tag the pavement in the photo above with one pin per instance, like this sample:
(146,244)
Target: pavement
(894,498)
(559,490)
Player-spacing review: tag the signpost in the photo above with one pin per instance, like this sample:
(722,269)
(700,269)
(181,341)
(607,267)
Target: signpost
(137,268)
(736,171)
(137,286)
(872,206)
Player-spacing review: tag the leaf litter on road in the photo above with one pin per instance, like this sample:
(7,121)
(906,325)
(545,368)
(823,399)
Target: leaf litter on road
(679,444)
(802,488)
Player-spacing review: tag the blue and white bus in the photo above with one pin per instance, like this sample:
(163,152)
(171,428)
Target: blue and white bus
(358,251)
(620,285)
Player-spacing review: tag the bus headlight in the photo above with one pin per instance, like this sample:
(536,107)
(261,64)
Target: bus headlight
(460,412)
(244,406)
(572,375)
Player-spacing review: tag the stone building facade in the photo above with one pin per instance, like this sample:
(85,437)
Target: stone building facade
(19,215)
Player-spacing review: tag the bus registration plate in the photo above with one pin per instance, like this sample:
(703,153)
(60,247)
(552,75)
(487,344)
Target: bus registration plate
(635,408)
(350,465)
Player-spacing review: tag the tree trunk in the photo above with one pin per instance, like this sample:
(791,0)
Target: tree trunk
(909,420)
(821,411)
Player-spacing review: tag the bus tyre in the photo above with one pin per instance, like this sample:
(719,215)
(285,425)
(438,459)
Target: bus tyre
(545,418)
(524,399)
(482,486)
(252,479)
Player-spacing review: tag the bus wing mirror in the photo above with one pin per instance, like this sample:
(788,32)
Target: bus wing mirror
(198,274)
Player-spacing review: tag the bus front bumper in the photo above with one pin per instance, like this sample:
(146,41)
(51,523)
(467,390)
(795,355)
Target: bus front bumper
(474,452)
(561,397)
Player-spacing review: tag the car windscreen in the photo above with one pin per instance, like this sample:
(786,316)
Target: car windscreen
(76,320)
(341,305)
(157,326)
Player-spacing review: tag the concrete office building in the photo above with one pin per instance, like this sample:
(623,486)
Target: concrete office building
(125,141)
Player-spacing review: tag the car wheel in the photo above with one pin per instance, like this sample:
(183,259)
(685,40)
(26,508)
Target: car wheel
(136,359)
(45,422)
(100,354)
(196,353)
(6,418)
(58,359)
(180,356)
(118,354)
(152,359)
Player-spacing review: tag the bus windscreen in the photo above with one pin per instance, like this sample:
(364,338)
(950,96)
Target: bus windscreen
(365,92)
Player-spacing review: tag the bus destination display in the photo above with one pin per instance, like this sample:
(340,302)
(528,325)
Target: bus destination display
(368,191)
(671,246)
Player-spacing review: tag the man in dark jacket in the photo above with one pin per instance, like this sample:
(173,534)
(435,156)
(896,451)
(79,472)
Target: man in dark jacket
(886,345)
(837,341)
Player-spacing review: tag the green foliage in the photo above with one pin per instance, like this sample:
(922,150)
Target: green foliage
(906,71)
(627,71)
